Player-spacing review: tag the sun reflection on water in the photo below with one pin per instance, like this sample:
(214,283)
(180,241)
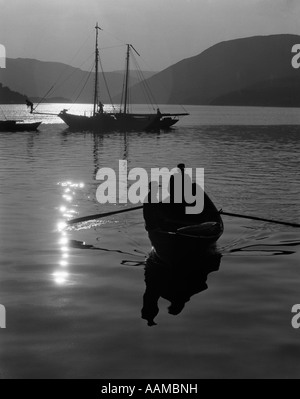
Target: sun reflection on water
(61,276)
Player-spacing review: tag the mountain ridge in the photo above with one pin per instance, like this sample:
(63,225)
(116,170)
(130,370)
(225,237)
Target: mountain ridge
(36,78)
(225,73)
(226,67)
(8,96)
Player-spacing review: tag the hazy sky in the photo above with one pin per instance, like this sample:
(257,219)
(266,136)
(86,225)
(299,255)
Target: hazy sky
(163,31)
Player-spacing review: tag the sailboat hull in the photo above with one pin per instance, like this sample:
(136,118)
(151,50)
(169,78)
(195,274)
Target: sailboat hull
(85,123)
(107,122)
(135,122)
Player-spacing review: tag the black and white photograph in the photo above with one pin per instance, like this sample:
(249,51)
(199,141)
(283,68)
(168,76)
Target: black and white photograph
(149,192)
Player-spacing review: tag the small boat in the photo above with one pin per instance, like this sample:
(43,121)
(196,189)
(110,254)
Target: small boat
(175,236)
(122,120)
(18,126)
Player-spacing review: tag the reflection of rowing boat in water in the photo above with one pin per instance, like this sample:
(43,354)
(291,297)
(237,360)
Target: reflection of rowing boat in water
(175,235)
(175,284)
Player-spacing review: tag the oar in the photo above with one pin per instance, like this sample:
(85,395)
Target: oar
(102,215)
(236,215)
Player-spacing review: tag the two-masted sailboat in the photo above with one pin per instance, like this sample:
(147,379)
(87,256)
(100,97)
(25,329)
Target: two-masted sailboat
(123,120)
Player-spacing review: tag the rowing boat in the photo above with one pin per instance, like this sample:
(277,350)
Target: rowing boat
(16,126)
(175,235)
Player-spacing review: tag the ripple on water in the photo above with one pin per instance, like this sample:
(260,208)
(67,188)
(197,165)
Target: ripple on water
(74,297)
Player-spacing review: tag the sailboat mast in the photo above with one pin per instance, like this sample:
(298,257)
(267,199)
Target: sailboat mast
(127,79)
(96,71)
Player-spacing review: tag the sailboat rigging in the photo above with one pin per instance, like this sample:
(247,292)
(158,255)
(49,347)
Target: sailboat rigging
(124,120)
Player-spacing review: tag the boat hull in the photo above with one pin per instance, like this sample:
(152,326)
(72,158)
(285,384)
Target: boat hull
(107,122)
(173,248)
(166,123)
(175,235)
(14,126)
(163,123)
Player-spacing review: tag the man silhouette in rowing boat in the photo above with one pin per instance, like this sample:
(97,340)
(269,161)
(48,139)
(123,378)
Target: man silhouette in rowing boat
(180,182)
(151,218)
(167,213)
(189,191)
(154,211)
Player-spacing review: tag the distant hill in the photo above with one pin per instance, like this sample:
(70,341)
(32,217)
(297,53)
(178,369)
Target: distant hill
(283,92)
(50,100)
(8,96)
(134,74)
(254,71)
(36,78)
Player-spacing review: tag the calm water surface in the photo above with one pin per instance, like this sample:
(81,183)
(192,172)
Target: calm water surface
(74,298)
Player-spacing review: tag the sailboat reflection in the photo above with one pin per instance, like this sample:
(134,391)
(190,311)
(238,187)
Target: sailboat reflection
(174,283)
